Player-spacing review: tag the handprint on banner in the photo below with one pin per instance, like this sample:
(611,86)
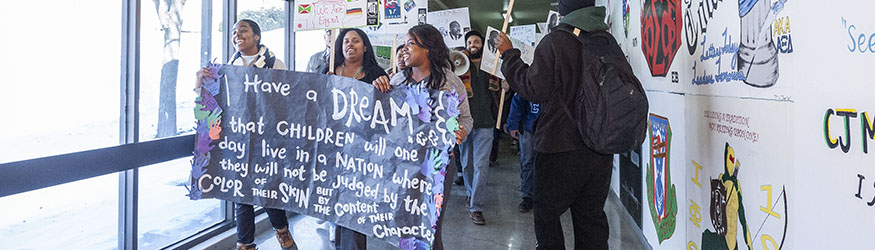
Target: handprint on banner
(452,124)
(453,103)
(418,98)
(432,162)
(439,200)
(208,102)
(203,143)
(411,243)
(214,116)
(211,80)
(445,158)
(215,129)
(200,111)
(198,168)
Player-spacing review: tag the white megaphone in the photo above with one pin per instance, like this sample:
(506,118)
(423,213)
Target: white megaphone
(460,61)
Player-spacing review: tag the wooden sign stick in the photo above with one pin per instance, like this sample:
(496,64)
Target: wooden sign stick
(394,54)
(503,92)
(332,38)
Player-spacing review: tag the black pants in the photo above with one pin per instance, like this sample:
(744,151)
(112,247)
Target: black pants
(246,221)
(347,239)
(578,180)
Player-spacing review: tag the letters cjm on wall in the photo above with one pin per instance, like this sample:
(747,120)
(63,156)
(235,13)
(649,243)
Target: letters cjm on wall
(837,130)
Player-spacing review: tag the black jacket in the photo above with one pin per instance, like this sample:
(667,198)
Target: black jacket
(483,109)
(551,80)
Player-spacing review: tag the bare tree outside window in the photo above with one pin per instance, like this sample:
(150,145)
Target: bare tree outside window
(170,14)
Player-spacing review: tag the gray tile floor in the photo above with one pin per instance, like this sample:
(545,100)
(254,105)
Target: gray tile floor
(506,227)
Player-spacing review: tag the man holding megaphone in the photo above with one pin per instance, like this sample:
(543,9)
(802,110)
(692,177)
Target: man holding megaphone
(476,148)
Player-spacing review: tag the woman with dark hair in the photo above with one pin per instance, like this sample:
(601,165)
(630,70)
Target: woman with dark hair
(358,61)
(399,62)
(429,66)
(250,52)
(246,36)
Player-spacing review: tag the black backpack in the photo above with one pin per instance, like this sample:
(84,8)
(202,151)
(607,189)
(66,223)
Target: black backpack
(611,106)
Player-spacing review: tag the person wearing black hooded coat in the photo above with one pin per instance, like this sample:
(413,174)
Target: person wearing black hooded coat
(568,174)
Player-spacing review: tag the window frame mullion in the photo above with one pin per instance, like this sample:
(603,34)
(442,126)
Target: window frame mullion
(129,122)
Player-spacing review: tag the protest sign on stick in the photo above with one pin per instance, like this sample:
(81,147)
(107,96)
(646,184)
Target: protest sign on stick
(503,92)
(333,14)
(453,24)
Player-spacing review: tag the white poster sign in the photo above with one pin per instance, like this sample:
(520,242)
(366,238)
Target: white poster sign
(453,24)
(490,52)
(398,16)
(525,33)
(331,14)
(542,27)
(552,20)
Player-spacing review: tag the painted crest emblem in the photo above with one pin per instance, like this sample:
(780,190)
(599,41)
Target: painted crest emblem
(661,196)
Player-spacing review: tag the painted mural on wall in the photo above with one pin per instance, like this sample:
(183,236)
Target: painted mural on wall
(661,193)
(727,212)
(781,35)
(626,17)
(663,183)
(727,52)
(758,55)
(841,120)
(660,34)
(844,144)
(774,93)
(740,174)
(834,120)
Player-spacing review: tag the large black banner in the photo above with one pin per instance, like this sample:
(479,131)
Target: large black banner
(326,146)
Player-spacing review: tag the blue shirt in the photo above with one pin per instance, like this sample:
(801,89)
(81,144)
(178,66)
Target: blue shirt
(522,112)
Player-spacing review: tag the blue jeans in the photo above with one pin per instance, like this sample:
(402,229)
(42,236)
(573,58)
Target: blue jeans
(246,221)
(527,163)
(475,165)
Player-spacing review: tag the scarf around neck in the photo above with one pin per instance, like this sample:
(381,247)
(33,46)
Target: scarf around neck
(264,58)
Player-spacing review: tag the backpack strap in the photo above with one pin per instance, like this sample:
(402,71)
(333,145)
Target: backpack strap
(576,32)
(581,37)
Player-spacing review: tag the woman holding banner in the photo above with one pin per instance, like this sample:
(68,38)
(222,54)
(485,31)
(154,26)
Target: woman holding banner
(358,62)
(429,66)
(250,52)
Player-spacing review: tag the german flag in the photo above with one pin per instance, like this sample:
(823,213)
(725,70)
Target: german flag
(355,11)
